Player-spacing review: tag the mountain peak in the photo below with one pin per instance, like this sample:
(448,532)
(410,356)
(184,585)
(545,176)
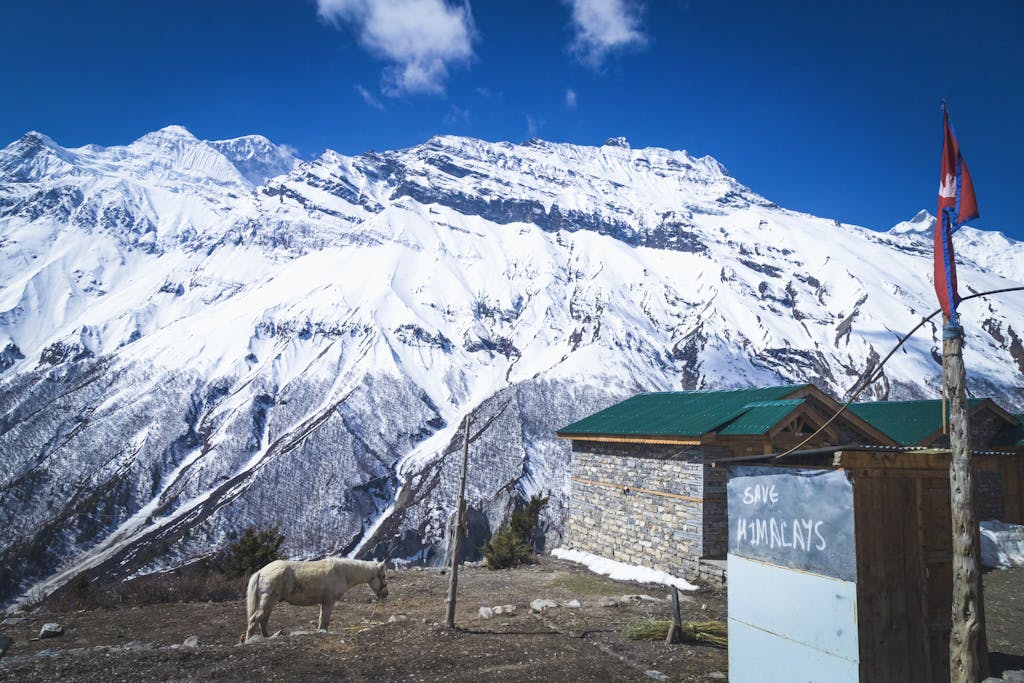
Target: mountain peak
(617,142)
(36,139)
(250,143)
(921,222)
(256,158)
(922,217)
(34,156)
(176,131)
(166,136)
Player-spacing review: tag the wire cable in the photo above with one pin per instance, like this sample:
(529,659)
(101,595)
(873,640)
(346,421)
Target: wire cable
(873,373)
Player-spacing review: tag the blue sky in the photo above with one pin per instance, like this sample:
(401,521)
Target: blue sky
(826,107)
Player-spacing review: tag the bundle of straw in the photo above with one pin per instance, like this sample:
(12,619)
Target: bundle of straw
(707,632)
(647,629)
(711,632)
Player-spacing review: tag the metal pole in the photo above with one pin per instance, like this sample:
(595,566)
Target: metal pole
(459,522)
(968,655)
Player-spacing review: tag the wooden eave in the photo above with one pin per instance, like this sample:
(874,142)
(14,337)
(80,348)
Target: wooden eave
(987,403)
(851,418)
(627,438)
(804,411)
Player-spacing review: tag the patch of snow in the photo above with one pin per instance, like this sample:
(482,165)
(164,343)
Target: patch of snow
(1002,545)
(620,571)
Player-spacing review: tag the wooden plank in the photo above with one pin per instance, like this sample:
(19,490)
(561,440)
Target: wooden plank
(604,438)
(937,545)
(1013,491)
(891,473)
(903,460)
(922,575)
(893,632)
(914,666)
(891,526)
(864,531)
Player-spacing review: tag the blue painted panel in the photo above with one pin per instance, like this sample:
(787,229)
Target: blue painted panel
(799,518)
(756,656)
(790,625)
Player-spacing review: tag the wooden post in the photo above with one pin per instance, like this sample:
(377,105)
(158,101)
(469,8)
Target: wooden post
(459,523)
(968,655)
(675,631)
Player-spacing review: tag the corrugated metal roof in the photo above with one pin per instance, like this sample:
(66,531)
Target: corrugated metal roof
(760,417)
(675,413)
(906,422)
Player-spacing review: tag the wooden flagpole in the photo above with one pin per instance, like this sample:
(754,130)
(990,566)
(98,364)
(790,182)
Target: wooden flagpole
(968,651)
(457,529)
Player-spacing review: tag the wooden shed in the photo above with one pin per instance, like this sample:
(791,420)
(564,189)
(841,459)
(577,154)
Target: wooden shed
(995,435)
(902,537)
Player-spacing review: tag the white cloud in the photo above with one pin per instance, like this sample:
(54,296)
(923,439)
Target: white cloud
(456,115)
(570,98)
(602,26)
(533,125)
(420,38)
(369,98)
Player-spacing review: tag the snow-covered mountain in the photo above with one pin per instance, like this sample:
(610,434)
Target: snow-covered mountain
(199,336)
(983,249)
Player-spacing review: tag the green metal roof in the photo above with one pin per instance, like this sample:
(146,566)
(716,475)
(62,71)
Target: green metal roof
(685,413)
(760,417)
(906,422)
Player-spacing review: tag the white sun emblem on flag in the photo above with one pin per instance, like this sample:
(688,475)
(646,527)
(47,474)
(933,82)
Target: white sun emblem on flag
(947,188)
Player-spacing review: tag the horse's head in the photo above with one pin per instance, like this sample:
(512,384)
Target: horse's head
(379,582)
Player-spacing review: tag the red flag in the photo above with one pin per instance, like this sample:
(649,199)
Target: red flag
(957,205)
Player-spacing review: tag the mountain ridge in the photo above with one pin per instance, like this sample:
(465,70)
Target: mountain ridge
(185,352)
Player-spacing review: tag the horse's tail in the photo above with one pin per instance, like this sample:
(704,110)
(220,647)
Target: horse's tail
(252,596)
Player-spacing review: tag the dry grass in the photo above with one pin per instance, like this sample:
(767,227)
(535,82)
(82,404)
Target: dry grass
(187,585)
(707,632)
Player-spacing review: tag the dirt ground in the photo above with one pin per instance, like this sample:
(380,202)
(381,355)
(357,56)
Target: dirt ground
(563,643)
(404,639)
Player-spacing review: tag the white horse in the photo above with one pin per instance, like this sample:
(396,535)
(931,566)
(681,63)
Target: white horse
(320,582)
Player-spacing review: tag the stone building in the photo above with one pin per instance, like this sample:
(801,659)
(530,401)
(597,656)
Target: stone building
(648,474)
(648,483)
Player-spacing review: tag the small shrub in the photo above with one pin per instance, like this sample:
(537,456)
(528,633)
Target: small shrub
(513,544)
(252,551)
(76,594)
(506,550)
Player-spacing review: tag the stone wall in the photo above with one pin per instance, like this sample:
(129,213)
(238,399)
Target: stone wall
(644,505)
(716,509)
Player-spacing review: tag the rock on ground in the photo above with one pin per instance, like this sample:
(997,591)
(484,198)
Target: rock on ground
(51,630)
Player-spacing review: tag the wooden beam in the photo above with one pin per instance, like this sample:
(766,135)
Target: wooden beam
(658,440)
(933,459)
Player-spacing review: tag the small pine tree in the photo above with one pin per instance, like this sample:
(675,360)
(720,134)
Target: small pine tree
(252,551)
(513,544)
